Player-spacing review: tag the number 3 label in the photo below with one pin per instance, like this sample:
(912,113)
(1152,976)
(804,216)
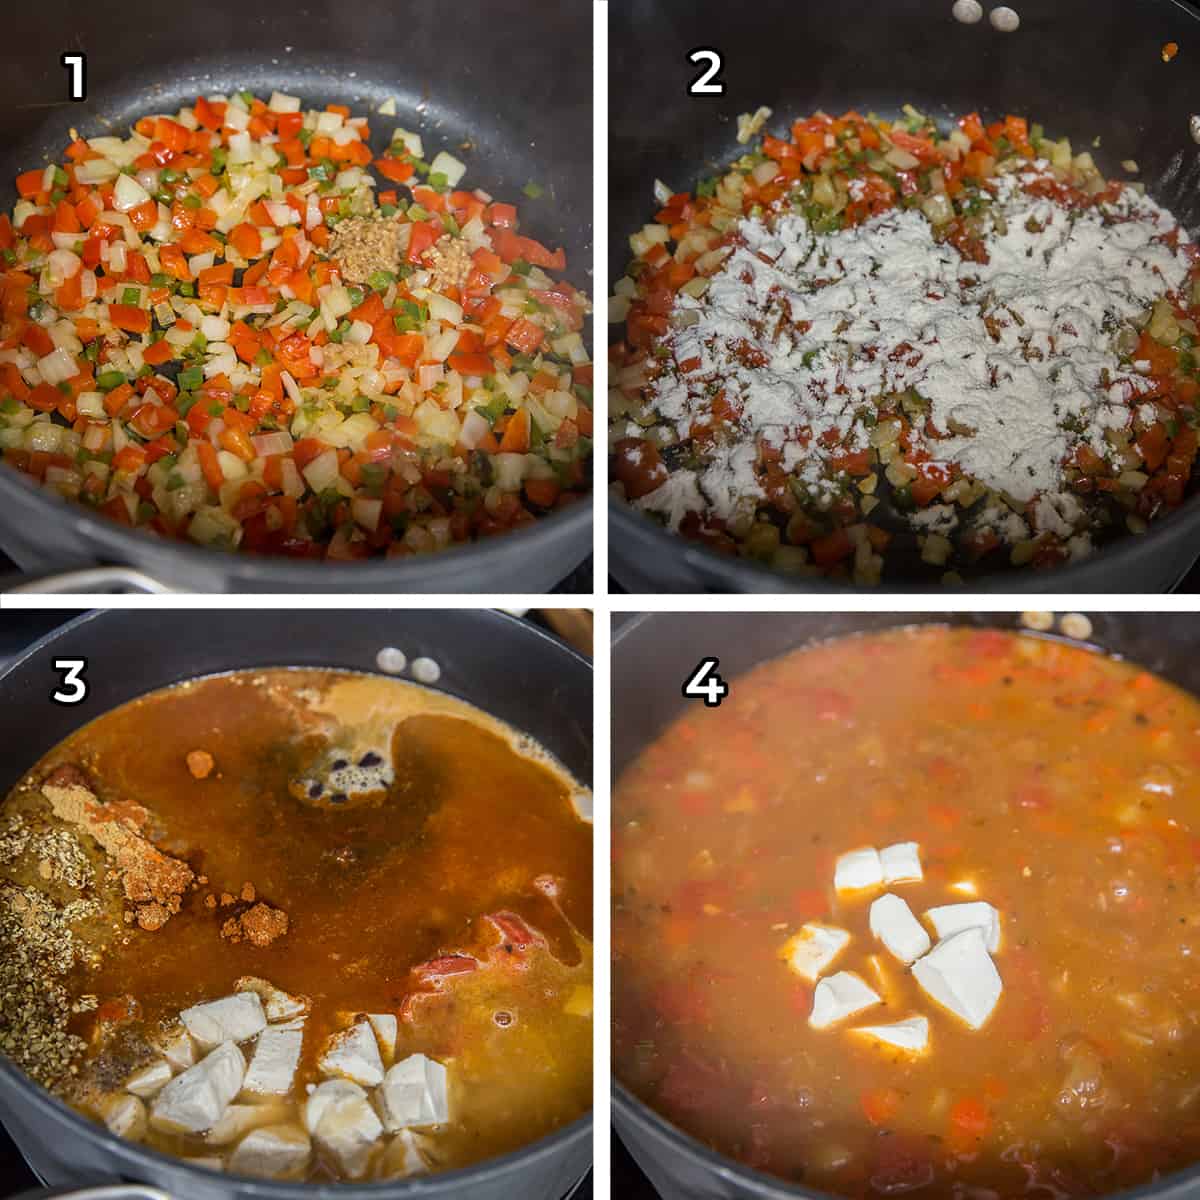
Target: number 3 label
(705,684)
(706,83)
(74,689)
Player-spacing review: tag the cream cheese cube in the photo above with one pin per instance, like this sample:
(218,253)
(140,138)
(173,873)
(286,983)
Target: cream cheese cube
(240,1119)
(959,974)
(344,1125)
(414,1093)
(948,919)
(838,997)
(230,1019)
(405,1154)
(178,1049)
(911,1035)
(814,948)
(276,1056)
(125,1115)
(354,1054)
(195,1101)
(273,1152)
(857,870)
(894,925)
(901,863)
(278,1005)
(386,1028)
(150,1080)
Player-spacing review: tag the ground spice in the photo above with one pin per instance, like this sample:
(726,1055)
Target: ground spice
(151,879)
(450,261)
(260,926)
(37,948)
(364,245)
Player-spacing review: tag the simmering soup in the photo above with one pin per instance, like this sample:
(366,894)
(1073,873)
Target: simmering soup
(301,924)
(917,911)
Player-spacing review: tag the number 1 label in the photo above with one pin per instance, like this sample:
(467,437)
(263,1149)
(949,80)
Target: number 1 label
(77,65)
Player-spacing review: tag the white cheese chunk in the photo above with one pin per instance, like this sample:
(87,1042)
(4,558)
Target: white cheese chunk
(814,948)
(149,1081)
(239,1119)
(901,863)
(414,1093)
(354,1054)
(194,1101)
(894,925)
(344,1125)
(178,1049)
(323,1096)
(125,1115)
(949,919)
(912,1034)
(406,1155)
(230,1019)
(273,1152)
(276,1056)
(959,974)
(838,997)
(385,1027)
(857,870)
(278,1005)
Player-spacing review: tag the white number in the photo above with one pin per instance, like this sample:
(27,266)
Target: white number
(72,669)
(703,84)
(705,684)
(77,64)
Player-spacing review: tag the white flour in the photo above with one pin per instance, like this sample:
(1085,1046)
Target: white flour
(1013,356)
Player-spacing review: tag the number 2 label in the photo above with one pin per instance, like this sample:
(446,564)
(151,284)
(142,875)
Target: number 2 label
(705,684)
(706,83)
(74,689)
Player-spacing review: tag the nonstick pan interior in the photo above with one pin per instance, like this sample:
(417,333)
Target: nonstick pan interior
(508,79)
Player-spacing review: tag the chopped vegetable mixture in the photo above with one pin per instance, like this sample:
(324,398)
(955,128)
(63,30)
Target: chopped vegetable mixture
(217,329)
(887,349)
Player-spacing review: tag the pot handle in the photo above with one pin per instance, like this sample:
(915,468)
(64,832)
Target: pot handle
(90,579)
(115,1191)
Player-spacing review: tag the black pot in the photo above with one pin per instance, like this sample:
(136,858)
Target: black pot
(651,657)
(504,666)
(1081,67)
(513,77)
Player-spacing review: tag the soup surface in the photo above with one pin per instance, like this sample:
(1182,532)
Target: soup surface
(1051,782)
(385,891)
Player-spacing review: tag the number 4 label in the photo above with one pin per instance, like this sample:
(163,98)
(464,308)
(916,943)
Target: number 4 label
(74,689)
(705,684)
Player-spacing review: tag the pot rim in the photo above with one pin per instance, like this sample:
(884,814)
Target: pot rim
(49,1108)
(18,495)
(629,528)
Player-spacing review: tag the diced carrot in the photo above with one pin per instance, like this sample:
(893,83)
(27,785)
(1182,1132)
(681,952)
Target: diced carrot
(542,492)
(880,1105)
(524,336)
(129,317)
(516,434)
(209,466)
(158,353)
